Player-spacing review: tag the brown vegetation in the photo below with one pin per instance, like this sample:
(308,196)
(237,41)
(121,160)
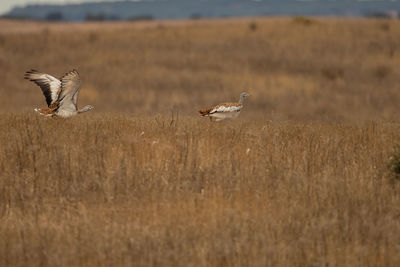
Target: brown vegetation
(301,179)
(326,70)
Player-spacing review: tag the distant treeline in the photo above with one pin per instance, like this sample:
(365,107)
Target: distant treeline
(184,9)
(58,16)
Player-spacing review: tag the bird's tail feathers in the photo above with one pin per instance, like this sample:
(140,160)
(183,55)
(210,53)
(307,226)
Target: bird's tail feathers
(205,112)
(45,112)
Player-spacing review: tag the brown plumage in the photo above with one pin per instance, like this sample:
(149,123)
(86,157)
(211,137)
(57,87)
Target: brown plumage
(46,111)
(205,112)
(225,110)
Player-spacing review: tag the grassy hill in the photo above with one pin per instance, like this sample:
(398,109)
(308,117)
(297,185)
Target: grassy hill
(341,70)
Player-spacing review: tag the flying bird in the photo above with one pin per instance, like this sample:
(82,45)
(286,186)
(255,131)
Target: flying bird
(225,110)
(61,95)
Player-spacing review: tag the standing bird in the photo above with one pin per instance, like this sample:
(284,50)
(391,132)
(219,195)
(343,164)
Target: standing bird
(61,96)
(225,110)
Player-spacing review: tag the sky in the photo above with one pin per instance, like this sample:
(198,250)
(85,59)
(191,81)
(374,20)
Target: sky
(7,5)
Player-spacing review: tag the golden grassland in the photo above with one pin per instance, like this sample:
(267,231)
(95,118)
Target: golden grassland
(122,190)
(300,179)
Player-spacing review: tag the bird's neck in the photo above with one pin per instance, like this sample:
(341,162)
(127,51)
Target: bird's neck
(241,100)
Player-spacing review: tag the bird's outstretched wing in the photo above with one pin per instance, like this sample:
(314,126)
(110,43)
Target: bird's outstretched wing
(50,86)
(70,86)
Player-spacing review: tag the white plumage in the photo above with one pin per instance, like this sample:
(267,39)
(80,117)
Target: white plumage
(61,95)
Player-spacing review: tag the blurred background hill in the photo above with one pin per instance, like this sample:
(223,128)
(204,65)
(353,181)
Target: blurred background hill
(178,9)
(302,69)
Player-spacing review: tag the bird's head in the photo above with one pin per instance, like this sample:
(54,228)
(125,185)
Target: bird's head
(244,95)
(85,109)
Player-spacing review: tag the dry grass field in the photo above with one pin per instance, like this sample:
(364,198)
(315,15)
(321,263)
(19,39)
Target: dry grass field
(300,179)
